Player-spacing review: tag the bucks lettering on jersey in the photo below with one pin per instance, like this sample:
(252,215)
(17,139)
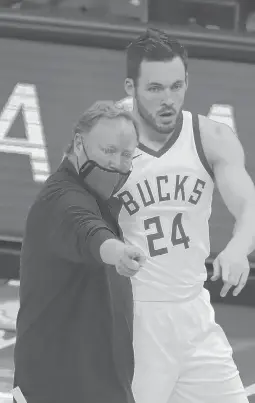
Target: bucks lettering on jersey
(166,208)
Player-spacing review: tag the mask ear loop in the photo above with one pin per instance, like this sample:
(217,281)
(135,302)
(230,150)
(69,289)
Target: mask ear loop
(85,152)
(77,163)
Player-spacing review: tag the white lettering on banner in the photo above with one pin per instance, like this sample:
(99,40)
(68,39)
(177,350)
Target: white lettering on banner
(136,3)
(24,98)
(223,114)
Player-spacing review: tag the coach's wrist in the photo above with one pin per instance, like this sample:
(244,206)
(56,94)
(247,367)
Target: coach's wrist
(111,250)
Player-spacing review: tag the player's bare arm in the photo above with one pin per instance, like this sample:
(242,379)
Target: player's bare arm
(226,156)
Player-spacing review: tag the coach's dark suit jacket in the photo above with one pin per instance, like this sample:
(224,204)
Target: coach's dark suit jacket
(74,326)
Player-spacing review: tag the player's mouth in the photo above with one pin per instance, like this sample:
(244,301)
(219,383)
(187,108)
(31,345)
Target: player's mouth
(166,116)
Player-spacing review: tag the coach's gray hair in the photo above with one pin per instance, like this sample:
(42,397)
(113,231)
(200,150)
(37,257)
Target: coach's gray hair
(99,110)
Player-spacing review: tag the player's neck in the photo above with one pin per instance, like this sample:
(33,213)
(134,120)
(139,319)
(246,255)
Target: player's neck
(152,139)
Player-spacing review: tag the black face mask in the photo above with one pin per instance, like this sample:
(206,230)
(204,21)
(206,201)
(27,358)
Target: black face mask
(105,182)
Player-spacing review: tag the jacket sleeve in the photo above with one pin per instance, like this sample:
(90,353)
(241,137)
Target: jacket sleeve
(77,229)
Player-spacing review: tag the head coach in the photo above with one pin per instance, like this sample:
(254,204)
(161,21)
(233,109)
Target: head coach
(74,326)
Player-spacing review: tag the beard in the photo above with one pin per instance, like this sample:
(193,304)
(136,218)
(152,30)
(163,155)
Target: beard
(151,121)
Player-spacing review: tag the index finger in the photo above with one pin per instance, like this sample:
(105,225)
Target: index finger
(225,289)
(138,256)
(140,259)
(131,262)
(133,265)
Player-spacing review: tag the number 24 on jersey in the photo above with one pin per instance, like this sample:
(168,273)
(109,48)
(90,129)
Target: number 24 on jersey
(178,236)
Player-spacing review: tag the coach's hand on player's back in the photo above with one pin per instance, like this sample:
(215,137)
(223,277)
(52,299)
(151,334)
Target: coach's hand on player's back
(233,267)
(127,259)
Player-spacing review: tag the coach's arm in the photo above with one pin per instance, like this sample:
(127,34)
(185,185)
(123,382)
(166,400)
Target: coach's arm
(76,227)
(78,233)
(226,157)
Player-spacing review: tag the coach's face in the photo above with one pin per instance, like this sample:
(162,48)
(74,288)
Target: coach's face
(159,93)
(111,143)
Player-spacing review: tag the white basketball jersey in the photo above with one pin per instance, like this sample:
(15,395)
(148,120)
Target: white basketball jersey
(166,208)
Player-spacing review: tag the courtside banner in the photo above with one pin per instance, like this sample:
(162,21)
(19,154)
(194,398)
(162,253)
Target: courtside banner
(44,88)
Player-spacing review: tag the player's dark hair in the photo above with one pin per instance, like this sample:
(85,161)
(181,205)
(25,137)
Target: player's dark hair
(153,45)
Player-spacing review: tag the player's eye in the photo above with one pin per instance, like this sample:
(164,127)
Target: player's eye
(177,86)
(155,89)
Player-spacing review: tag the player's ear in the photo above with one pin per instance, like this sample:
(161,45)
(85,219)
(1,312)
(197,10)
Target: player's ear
(187,80)
(129,87)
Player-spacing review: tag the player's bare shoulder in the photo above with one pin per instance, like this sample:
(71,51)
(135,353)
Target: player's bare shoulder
(219,141)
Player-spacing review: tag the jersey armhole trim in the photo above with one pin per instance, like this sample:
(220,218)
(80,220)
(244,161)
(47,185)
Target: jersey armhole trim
(199,146)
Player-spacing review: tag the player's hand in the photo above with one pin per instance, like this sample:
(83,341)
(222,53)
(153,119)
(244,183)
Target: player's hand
(131,259)
(233,267)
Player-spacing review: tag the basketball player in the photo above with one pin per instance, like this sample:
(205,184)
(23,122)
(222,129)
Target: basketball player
(181,354)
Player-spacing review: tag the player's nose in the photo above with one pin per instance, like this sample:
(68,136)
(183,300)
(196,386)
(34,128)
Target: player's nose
(168,99)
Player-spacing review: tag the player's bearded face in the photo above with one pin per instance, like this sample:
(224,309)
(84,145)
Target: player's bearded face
(161,120)
(160,93)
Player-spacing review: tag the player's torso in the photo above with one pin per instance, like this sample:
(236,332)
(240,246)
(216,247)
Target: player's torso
(166,207)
